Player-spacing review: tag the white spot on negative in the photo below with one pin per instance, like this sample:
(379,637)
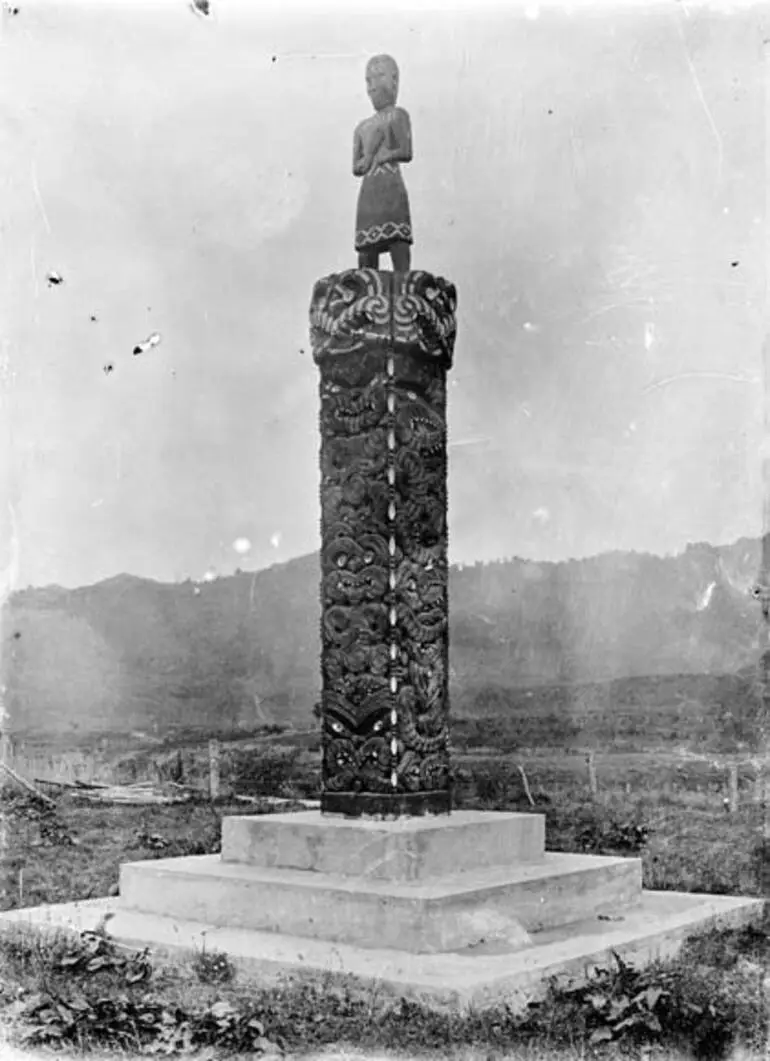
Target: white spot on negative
(649,336)
(242,546)
(275,540)
(542,515)
(705,597)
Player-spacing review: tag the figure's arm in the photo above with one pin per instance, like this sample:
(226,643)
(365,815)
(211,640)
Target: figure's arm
(401,127)
(363,158)
(358,150)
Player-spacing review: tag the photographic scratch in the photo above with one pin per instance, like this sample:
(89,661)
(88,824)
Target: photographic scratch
(484,440)
(320,55)
(10,575)
(699,375)
(704,104)
(614,305)
(39,198)
(34,268)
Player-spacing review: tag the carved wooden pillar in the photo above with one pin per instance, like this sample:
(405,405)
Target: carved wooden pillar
(383,343)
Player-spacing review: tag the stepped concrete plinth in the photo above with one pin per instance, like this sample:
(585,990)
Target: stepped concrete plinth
(384,902)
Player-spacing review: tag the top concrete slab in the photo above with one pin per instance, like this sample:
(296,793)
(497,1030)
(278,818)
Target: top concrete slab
(408,849)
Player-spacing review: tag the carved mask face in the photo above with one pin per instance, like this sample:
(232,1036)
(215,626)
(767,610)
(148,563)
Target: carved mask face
(382,81)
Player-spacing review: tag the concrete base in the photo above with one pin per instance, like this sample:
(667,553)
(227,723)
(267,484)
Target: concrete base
(467,908)
(478,976)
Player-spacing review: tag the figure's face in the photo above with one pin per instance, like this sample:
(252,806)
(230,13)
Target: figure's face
(381,84)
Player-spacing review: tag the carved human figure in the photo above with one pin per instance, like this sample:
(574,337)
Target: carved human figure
(380,144)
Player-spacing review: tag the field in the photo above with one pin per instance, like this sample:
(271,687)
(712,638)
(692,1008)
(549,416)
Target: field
(669,807)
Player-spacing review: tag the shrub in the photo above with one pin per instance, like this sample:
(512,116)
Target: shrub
(264,772)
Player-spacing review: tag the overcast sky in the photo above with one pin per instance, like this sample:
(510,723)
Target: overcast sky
(591,178)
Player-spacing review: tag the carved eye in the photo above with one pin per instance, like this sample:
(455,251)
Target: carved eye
(377,727)
(368,558)
(341,561)
(336,727)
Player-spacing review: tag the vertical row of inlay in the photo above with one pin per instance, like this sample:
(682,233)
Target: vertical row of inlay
(392,565)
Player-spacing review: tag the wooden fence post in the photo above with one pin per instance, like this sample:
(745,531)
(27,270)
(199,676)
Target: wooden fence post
(214,769)
(592,775)
(733,787)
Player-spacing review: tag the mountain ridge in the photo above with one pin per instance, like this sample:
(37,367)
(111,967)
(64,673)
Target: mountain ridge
(126,653)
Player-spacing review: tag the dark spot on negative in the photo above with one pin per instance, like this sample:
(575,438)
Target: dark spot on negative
(734,264)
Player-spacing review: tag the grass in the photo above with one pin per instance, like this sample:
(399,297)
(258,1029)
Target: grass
(705,1003)
(708,1000)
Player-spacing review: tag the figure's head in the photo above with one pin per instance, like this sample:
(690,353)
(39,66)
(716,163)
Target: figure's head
(382,81)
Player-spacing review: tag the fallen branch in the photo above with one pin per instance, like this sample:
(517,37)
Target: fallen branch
(22,781)
(309,804)
(524,781)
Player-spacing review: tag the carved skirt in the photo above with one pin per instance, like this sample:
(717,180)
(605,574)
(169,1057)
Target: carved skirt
(383,210)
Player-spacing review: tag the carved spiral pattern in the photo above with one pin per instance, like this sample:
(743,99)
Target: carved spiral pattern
(383,343)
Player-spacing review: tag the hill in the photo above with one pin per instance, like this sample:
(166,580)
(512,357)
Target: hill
(133,654)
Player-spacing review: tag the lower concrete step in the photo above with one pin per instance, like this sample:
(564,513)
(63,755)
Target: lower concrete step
(506,903)
(654,929)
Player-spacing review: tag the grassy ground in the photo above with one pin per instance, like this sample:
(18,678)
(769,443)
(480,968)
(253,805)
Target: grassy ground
(707,1004)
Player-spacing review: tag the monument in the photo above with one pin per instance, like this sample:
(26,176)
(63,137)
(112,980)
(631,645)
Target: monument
(383,342)
(386,882)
